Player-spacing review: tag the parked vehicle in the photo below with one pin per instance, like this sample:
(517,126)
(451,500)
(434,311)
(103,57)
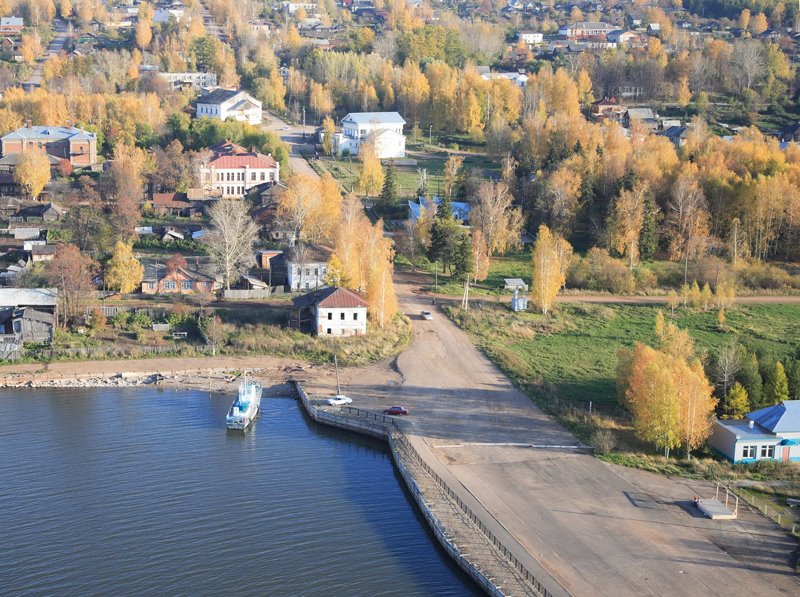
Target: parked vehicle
(396,411)
(339,400)
(427,315)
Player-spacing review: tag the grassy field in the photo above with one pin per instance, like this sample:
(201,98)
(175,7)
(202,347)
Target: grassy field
(347,171)
(573,354)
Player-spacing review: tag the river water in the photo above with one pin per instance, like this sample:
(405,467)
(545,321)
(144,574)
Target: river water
(144,492)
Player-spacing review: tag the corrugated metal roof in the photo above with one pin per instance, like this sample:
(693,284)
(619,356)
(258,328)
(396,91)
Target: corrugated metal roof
(780,418)
(14,297)
(374,118)
(330,297)
(50,133)
(241,161)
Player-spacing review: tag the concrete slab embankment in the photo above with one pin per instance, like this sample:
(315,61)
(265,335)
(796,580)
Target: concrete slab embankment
(460,532)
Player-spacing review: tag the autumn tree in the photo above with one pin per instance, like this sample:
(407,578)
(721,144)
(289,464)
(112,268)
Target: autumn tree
(144,26)
(551,255)
(30,47)
(736,404)
(370,181)
(71,272)
(388,194)
(125,179)
(495,217)
(627,220)
(175,263)
(123,271)
(687,218)
(311,207)
(328,131)
(776,385)
(230,239)
(758,24)
(32,172)
(335,274)
(452,168)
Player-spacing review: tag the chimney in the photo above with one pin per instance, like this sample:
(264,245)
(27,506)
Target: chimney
(750,424)
(28,123)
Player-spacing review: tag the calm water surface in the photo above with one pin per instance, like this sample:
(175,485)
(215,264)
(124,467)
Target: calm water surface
(144,492)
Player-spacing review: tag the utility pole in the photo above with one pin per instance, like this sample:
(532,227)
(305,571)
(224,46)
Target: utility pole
(304,123)
(430,135)
(465,298)
(436,274)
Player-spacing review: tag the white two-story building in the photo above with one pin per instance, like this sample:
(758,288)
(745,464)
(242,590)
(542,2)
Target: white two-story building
(233,170)
(330,311)
(193,80)
(385,129)
(223,104)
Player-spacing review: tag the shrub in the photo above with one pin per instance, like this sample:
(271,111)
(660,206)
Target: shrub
(604,441)
(759,275)
(645,278)
(99,320)
(140,320)
(599,271)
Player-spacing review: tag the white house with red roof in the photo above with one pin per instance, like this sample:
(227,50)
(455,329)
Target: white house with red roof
(233,170)
(330,311)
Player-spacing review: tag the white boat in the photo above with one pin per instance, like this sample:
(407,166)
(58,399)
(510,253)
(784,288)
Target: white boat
(244,409)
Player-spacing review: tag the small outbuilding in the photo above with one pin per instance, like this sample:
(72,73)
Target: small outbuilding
(330,311)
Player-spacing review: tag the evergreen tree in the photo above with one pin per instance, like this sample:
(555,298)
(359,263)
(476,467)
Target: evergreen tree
(445,236)
(776,387)
(389,191)
(750,377)
(463,262)
(648,239)
(793,375)
(444,211)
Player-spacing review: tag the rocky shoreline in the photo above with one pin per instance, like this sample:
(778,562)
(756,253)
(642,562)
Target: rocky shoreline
(209,380)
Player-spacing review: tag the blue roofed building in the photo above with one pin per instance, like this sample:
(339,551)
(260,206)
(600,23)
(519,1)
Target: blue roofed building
(460,209)
(771,433)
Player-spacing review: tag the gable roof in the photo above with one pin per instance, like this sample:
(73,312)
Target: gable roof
(250,160)
(330,297)
(780,418)
(374,118)
(219,96)
(51,133)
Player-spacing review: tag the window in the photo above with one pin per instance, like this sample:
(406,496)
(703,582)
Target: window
(748,452)
(342,316)
(316,271)
(308,272)
(263,176)
(355,316)
(252,176)
(767,451)
(151,285)
(329,331)
(330,315)
(186,284)
(169,284)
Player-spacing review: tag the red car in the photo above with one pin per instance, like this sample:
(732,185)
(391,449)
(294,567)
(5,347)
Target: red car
(396,410)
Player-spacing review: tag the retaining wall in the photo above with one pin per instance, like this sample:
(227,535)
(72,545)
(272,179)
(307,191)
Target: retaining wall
(383,427)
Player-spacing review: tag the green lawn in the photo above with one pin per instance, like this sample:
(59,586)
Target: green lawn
(347,170)
(574,352)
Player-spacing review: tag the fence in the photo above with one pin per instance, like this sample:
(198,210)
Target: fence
(254,293)
(111,310)
(774,514)
(386,427)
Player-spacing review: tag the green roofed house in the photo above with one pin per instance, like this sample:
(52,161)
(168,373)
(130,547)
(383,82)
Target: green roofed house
(771,433)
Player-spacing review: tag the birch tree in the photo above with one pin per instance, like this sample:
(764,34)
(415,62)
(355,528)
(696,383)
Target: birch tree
(231,238)
(627,221)
(493,215)
(550,258)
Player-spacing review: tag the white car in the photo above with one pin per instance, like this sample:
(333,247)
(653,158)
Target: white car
(339,400)
(427,315)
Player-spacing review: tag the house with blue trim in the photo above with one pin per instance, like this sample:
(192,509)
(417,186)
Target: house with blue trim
(771,433)
(460,209)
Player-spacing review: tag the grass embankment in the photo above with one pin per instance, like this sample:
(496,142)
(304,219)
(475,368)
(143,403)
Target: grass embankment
(239,333)
(565,360)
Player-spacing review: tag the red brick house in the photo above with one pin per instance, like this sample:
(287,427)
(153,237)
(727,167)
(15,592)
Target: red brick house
(64,143)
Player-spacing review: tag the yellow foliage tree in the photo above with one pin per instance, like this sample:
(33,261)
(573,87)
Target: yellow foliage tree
(370,181)
(31,47)
(32,172)
(328,131)
(124,272)
(144,26)
(551,255)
